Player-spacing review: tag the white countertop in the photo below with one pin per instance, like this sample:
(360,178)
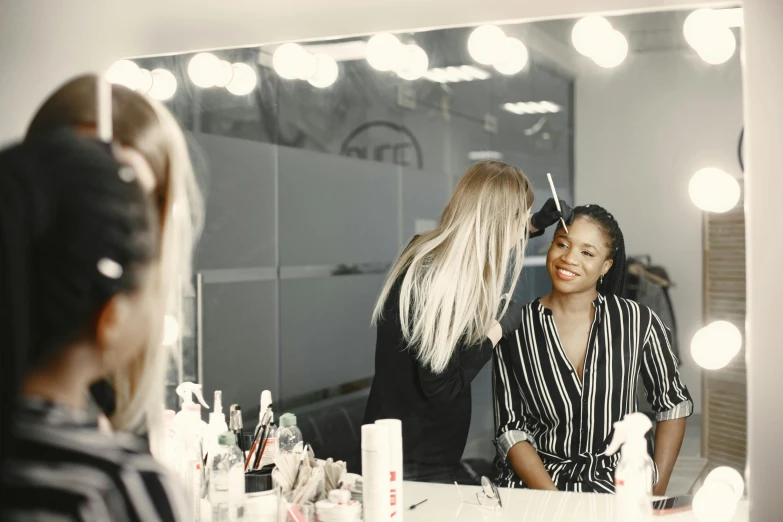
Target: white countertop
(444,505)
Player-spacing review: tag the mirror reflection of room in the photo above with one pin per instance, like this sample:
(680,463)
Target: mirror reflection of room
(382,240)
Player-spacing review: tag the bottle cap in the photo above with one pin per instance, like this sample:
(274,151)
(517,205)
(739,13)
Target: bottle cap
(375,437)
(287,419)
(227,439)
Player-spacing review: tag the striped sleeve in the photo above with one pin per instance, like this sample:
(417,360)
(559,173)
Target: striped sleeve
(665,390)
(510,415)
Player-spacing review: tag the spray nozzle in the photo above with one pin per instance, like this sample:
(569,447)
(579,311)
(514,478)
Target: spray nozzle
(630,431)
(186,390)
(266,403)
(218,402)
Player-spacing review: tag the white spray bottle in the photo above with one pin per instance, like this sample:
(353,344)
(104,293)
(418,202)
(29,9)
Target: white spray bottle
(190,430)
(634,474)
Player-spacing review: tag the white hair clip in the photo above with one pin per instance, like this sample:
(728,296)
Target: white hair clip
(109,268)
(127,174)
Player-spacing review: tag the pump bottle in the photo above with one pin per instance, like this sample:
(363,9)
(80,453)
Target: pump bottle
(634,473)
(190,430)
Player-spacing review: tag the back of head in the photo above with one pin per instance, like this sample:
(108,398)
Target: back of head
(456,273)
(75,230)
(614,281)
(145,125)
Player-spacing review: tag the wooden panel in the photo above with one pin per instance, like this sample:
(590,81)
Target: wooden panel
(725,390)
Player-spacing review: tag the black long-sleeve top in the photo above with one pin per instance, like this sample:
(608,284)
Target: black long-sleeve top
(434,408)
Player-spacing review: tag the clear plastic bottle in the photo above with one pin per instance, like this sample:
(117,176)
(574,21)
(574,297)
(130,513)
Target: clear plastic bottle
(227,481)
(289,437)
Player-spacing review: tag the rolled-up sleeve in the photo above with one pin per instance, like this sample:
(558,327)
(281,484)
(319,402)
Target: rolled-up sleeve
(665,390)
(510,415)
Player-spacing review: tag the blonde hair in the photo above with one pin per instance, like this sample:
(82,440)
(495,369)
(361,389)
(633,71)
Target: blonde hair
(455,274)
(147,126)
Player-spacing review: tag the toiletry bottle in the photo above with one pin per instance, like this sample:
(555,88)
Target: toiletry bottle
(289,436)
(395,467)
(271,443)
(375,473)
(227,482)
(634,473)
(190,430)
(171,449)
(216,426)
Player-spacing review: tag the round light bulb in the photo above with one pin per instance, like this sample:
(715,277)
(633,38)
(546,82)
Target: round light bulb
(713,190)
(383,51)
(588,32)
(243,80)
(308,66)
(715,345)
(287,60)
(700,26)
(414,64)
(512,58)
(714,502)
(164,84)
(611,51)
(729,476)
(719,47)
(326,72)
(224,74)
(486,43)
(145,81)
(203,69)
(124,72)
(170,330)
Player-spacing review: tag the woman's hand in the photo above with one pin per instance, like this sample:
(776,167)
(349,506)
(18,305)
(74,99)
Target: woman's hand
(549,215)
(512,318)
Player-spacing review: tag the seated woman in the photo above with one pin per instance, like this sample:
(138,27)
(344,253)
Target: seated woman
(570,371)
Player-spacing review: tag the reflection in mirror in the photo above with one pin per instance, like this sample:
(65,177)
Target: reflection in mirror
(322,161)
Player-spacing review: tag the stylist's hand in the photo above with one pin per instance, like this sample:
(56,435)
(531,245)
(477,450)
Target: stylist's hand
(512,318)
(548,215)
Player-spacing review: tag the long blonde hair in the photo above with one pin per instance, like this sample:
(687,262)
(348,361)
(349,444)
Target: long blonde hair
(455,274)
(147,126)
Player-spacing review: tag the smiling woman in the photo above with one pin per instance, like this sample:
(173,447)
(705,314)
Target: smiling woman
(578,355)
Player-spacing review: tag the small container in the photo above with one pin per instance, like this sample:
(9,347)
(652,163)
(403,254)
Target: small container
(289,437)
(259,480)
(289,513)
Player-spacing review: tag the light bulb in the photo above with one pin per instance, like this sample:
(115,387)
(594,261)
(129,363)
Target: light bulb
(485,43)
(287,60)
(588,33)
(719,47)
(611,51)
(512,58)
(145,81)
(729,476)
(308,66)
(243,80)
(715,345)
(713,190)
(714,503)
(170,330)
(224,74)
(203,69)
(382,51)
(700,26)
(164,84)
(414,63)
(326,72)
(124,72)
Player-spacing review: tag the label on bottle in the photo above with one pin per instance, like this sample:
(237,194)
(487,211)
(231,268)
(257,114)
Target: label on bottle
(236,492)
(270,452)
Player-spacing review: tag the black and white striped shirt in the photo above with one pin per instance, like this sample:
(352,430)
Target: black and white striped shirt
(63,469)
(540,399)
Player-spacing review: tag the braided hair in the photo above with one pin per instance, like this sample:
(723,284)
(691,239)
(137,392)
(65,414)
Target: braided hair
(613,281)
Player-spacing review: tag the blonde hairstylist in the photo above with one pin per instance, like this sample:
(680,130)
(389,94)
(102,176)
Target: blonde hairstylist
(441,312)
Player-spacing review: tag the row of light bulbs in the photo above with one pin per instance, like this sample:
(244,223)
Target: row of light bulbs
(205,70)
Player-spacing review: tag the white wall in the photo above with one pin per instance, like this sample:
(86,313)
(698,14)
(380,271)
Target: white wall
(641,131)
(44,42)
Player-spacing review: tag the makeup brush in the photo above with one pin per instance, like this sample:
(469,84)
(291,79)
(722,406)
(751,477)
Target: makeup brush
(557,201)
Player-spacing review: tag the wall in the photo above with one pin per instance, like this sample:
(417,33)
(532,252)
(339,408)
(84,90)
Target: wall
(641,131)
(43,42)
